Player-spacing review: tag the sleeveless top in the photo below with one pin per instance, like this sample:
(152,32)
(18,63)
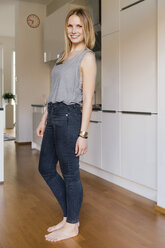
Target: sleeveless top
(66,80)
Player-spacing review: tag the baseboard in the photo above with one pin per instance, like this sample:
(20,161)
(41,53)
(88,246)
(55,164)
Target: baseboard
(23,143)
(139,189)
(159,209)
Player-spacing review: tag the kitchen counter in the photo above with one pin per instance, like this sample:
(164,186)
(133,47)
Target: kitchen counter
(97,107)
(94,107)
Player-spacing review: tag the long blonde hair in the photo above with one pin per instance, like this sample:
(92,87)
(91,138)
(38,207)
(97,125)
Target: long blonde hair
(88,29)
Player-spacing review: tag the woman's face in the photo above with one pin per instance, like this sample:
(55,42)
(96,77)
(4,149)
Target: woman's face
(75,29)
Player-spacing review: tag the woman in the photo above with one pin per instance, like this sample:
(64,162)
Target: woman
(64,126)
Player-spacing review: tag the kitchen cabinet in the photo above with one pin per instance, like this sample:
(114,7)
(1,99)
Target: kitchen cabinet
(110,16)
(93,155)
(111,142)
(94,9)
(110,72)
(138,148)
(138,66)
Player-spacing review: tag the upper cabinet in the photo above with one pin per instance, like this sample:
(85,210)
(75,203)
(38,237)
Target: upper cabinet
(94,8)
(138,32)
(129,55)
(110,72)
(110,16)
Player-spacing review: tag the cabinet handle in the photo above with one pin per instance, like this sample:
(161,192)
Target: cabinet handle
(95,121)
(137,113)
(109,111)
(130,5)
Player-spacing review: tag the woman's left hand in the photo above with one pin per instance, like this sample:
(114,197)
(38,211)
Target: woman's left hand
(81,146)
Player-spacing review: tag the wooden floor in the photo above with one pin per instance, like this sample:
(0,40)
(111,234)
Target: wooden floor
(111,217)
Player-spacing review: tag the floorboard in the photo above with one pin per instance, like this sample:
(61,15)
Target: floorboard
(111,217)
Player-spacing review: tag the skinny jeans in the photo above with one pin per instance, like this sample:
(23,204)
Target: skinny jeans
(58,144)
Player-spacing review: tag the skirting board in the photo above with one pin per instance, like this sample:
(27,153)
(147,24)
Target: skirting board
(160,209)
(23,143)
(122,182)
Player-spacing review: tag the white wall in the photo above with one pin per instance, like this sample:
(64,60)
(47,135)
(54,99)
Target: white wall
(33,76)
(161,104)
(7,40)
(7,16)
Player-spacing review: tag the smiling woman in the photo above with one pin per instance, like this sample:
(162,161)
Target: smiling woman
(64,126)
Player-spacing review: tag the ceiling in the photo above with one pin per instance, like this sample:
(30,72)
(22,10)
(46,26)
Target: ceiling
(34,1)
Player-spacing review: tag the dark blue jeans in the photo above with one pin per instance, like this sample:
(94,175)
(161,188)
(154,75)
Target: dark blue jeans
(58,144)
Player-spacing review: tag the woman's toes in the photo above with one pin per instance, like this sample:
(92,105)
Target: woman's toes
(50,229)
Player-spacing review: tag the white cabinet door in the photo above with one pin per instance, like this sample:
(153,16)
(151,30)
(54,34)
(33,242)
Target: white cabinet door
(110,142)
(110,72)
(138,32)
(93,155)
(110,16)
(138,148)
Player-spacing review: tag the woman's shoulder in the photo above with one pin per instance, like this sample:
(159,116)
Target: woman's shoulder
(88,61)
(89,56)
(89,51)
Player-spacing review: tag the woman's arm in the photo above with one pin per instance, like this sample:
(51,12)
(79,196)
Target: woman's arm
(41,127)
(45,115)
(89,70)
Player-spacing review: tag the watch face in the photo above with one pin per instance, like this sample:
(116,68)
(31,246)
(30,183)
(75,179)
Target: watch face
(33,21)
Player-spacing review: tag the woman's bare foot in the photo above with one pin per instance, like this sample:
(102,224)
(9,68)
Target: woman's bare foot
(59,225)
(68,230)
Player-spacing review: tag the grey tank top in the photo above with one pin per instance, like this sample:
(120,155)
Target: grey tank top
(66,80)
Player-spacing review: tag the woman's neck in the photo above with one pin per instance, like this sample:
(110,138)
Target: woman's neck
(76,48)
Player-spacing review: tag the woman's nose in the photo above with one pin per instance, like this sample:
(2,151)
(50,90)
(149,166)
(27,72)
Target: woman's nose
(74,30)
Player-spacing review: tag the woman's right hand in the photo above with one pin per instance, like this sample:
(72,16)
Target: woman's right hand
(40,129)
